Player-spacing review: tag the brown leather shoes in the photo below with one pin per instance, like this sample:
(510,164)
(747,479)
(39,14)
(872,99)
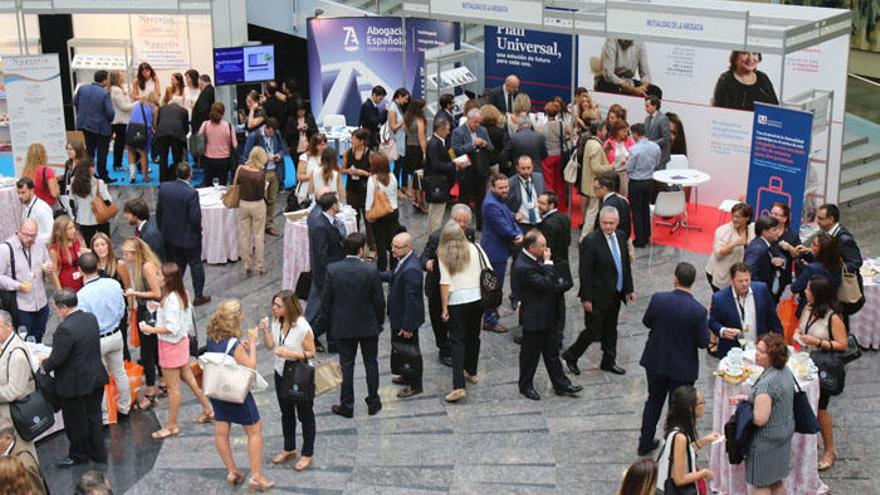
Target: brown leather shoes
(408,392)
(201,300)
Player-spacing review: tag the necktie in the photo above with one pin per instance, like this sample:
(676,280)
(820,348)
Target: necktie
(509,103)
(339,226)
(615,252)
(533,218)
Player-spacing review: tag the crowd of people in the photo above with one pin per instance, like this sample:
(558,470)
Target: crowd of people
(510,189)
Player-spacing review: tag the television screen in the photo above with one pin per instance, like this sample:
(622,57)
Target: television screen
(244,64)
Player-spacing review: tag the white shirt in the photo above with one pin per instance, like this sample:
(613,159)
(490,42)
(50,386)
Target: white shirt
(292,341)
(40,211)
(546,262)
(390,190)
(526,205)
(746,308)
(173,316)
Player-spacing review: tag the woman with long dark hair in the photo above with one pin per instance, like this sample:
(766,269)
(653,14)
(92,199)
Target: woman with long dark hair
(84,186)
(384,228)
(220,141)
(146,82)
(416,146)
(175,91)
(787,245)
(679,459)
(76,153)
(827,262)
(328,175)
(356,165)
(640,478)
(191,90)
(110,266)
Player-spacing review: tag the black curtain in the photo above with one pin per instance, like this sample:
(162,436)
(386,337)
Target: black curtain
(55,30)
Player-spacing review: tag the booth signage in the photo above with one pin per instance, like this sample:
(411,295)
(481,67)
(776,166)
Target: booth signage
(36,107)
(636,20)
(116,5)
(780,159)
(529,12)
(161,40)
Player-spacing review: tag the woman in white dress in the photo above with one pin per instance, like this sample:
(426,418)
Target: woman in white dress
(327,175)
(191,90)
(146,82)
(308,163)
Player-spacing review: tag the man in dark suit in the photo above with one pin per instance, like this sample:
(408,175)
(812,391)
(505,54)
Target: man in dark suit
(677,324)
(525,141)
(555,226)
(406,306)
(79,379)
(500,234)
(353,309)
(502,96)
(744,310)
(179,217)
(539,316)
(606,186)
(828,219)
(172,127)
(137,214)
(461,214)
(606,281)
(445,108)
(202,107)
(440,169)
(472,139)
(372,116)
(326,233)
(273,106)
(758,254)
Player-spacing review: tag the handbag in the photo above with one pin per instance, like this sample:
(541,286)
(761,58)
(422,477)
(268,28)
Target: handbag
(297,382)
(381,206)
(103,212)
(234,158)
(197,144)
(669,486)
(224,378)
(303,285)
(566,145)
(832,374)
(572,169)
(849,291)
(388,143)
(436,188)
(232,196)
(136,132)
(406,357)
(9,298)
(853,349)
(134,331)
(490,285)
(32,415)
(787,313)
(805,421)
(328,375)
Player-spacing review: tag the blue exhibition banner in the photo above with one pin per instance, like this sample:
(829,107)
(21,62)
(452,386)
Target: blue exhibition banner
(780,159)
(350,55)
(542,61)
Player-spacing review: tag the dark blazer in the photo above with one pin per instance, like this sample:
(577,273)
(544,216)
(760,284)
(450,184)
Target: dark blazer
(150,234)
(659,133)
(179,214)
(406,306)
(291,133)
(498,136)
(499,229)
(371,118)
(678,327)
(849,250)
(556,228)
(462,143)
(496,97)
(437,160)
(202,107)
(325,245)
(515,198)
(447,116)
(275,108)
(809,271)
(598,274)
(757,256)
(539,289)
(525,142)
(94,110)
(76,356)
(173,121)
(258,139)
(623,211)
(352,302)
(432,279)
(724,313)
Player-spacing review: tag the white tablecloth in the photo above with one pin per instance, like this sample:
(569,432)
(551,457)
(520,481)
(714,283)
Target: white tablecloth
(220,228)
(296,247)
(730,480)
(682,177)
(11,208)
(864,324)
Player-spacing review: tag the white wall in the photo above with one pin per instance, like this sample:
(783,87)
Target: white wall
(290,16)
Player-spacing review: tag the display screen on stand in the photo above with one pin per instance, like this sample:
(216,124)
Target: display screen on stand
(244,64)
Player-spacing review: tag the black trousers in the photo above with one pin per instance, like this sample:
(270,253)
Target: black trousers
(416,380)
(464,342)
(533,346)
(118,133)
(640,202)
(369,354)
(191,257)
(440,327)
(83,426)
(659,388)
(608,87)
(384,229)
(97,148)
(601,326)
(149,350)
(218,168)
(178,147)
(289,412)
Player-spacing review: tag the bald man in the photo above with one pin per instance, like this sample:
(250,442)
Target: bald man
(23,259)
(406,311)
(502,97)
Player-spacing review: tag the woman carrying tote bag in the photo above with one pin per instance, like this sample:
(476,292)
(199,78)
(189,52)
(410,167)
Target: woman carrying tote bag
(381,207)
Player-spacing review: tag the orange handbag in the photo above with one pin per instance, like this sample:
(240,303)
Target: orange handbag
(134,332)
(111,395)
(787,312)
(135,373)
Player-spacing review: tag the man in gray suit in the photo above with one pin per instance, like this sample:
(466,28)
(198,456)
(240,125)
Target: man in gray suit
(525,141)
(472,139)
(657,130)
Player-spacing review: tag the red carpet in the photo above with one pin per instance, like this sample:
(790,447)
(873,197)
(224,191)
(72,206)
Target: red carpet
(698,241)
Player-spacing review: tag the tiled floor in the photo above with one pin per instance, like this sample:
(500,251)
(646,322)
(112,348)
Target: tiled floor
(493,442)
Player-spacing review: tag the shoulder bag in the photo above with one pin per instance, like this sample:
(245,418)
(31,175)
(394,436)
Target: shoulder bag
(232,196)
(849,291)
(328,375)
(805,421)
(491,294)
(224,378)
(388,143)
(197,144)
(136,132)
(566,146)
(303,285)
(297,379)
(436,188)
(669,486)
(32,415)
(9,298)
(381,205)
(103,212)
(831,364)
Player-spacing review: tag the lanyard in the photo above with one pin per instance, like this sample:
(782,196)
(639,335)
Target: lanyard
(27,256)
(742,309)
(31,207)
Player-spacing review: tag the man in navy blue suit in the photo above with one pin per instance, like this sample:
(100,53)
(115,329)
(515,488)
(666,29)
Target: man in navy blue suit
(326,235)
(179,216)
(500,234)
(677,324)
(406,306)
(745,310)
(759,256)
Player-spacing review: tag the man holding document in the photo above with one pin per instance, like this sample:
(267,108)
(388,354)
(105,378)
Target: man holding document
(439,173)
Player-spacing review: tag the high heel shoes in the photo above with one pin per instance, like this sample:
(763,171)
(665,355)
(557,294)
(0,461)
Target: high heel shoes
(283,456)
(825,465)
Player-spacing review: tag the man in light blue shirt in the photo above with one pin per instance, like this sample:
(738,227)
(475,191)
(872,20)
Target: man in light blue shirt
(102,297)
(644,159)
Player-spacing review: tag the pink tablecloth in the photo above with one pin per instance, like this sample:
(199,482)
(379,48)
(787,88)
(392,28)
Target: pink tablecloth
(730,480)
(865,324)
(296,250)
(220,232)
(11,208)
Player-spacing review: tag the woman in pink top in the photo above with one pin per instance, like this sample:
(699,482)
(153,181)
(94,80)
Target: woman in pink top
(220,142)
(617,151)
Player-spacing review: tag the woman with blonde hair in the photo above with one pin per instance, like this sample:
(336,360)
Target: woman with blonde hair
(225,336)
(460,264)
(65,246)
(14,477)
(174,322)
(145,290)
(251,179)
(36,168)
(522,105)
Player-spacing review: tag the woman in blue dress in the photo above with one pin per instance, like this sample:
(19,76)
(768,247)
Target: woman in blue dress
(223,328)
(143,112)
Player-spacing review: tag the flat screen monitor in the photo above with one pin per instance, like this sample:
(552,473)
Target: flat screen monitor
(244,64)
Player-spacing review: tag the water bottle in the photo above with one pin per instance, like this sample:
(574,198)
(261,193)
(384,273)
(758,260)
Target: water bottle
(22,332)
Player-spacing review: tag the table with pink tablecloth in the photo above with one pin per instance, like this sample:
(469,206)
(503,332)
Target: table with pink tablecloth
(11,208)
(220,229)
(864,324)
(296,249)
(803,478)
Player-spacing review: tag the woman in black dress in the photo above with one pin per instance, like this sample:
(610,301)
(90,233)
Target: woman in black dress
(356,165)
(743,84)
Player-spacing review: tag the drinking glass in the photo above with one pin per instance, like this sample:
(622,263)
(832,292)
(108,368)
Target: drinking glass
(216,182)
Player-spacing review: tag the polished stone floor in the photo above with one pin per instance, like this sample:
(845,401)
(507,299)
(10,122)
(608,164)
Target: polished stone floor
(495,441)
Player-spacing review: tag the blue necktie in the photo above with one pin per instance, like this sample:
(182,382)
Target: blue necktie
(533,219)
(339,226)
(615,252)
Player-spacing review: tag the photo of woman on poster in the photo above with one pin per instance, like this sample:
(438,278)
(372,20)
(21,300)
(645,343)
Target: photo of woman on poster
(743,84)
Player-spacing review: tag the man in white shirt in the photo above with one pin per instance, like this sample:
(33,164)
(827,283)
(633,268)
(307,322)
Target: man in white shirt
(745,310)
(35,208)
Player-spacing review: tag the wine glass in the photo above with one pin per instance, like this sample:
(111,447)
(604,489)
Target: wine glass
(216,182)
(152,307)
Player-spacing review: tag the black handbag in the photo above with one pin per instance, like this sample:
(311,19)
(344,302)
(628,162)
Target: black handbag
(136,132)
(491,294)
(566,146)
(436,188)
(832,373)
(805,421)
(32,415)
(406,357)
(9,298)
(669,486)
(297,382)
(303,285)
